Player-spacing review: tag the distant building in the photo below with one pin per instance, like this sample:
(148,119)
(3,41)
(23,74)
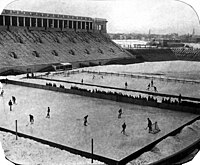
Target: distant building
(170,43)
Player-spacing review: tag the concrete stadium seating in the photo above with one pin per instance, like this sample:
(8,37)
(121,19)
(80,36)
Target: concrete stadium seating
(23,49)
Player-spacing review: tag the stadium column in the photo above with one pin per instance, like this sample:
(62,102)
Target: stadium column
(72,24)
(10,20)
(47,22)
(81,25)
(77,24)
(36,23)
(85,25)
(17,21)
(89,25)
(24,22)
(52,25)
(67,26)
(57,23)
(30,22)
(4,22)
(42,22)
(63,25)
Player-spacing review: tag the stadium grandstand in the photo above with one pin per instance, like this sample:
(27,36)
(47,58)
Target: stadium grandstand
(33,42)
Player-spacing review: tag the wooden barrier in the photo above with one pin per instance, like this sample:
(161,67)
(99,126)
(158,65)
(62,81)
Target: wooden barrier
(143,76)
(118,98)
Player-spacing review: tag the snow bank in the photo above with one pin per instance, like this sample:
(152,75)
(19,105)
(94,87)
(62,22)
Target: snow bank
(171,145)
(25,151)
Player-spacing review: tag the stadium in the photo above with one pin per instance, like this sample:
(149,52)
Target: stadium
(57,69)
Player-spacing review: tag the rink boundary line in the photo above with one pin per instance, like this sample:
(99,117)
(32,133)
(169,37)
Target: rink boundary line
(85,154)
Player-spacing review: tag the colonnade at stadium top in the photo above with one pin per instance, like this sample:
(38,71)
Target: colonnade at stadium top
(47,20)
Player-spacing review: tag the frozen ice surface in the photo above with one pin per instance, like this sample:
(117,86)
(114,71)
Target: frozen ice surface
(67,111)
(65,125)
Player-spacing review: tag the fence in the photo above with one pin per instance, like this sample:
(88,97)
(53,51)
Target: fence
(118,96)
(142,76)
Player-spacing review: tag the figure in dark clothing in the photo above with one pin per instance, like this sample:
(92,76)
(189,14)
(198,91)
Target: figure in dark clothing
(82,81)
(126,85)
(85,120)
(179,98)
(149,125)
(155,89)
(14,99)
(48,113)
(120,113)
(10,104)
(123,128)
(152,83)
(2,92)
(31,119)
(148,87)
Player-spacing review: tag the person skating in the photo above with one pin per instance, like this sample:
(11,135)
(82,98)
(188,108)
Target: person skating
(31,119)
(148,87)
(123,128)
(85,120)
(155,89)
(120,113)
(149,125)
(179,98)
(48,113)
(2,92)
(126,85)
(10,105)
(152,82)
(14,99)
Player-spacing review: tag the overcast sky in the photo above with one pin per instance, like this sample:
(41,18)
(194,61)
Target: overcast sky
(161,16)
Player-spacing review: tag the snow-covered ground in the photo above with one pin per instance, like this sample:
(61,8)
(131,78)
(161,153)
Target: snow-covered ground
(67,111)
(28,152)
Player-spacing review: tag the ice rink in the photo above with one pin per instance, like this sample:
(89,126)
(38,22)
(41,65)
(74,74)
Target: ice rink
(65,125)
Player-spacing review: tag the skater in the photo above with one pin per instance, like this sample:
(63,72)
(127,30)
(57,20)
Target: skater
(93,77)
(152,83)
(126,84)
(14,99)
(2,92)
(82,81)
(31,119)
(120,113)
(148,87)
(10,104)
(149,125)
(155,89)
(48,113)
(85,120)
(179,99)
(123,128)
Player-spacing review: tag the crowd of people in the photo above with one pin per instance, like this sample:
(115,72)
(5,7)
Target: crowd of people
(54,85)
